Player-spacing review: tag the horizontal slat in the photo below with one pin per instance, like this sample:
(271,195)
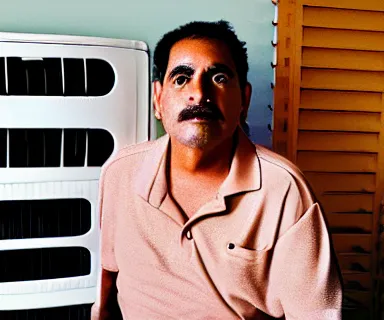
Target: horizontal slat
(375,5)
(341,100)
(362,297)
(343,59)
(327,182)
(343,39)
(352,222)
(354,262)
(342,80)
(343,19)
(336,161)
(340,121)
(332,141)
(334,203)
(362,279)
(349,243)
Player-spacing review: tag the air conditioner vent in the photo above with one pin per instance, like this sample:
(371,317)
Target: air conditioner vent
(25,219)
(33,148)
(2,77)
(67,104)
(80,312)
(3,148)
(55,77)
(45,263)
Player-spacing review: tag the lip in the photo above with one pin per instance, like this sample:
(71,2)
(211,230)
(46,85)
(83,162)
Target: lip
(200,120)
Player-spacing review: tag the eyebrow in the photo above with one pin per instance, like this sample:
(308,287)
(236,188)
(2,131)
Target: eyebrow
(189,70)
(182,69)
(219,67)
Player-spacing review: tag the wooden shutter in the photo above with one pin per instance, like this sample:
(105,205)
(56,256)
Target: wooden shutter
(328,119)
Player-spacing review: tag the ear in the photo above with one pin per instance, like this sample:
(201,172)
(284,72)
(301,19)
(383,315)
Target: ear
(247,93)
(157,90)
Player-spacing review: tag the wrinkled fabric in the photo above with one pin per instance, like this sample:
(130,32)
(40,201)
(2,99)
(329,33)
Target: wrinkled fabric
(259,250)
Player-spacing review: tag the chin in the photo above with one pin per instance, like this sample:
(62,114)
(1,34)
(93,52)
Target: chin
(195,142)
(197,136)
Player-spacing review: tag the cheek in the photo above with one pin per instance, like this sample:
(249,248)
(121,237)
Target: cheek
(170,106)
(231,106)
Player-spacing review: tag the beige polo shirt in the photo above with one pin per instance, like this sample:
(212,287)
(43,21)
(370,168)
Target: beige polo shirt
(260,247)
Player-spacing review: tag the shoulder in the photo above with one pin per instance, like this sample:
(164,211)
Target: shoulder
(130,157)
(277,168)
(276,161)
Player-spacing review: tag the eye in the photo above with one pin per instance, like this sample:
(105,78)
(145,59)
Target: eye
(220,78)
(181,80)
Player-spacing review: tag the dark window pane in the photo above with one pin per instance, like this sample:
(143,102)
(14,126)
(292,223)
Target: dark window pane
(74,147)
(52,147)
(22,219)
(100,147)
(35,142)
(54,76)
(74,78)
(35,77)
(18,148)
(35,147)
(3,148)
(17,76)
(2,77)
(44,76)
(42,147)
(100,77)
(78,312)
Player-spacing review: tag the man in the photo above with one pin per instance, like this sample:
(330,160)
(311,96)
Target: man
(201,223)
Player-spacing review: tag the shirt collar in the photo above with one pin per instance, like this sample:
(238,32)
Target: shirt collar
(244,174)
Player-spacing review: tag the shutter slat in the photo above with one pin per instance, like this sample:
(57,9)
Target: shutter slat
(337,203)
(337,141)
(336,182)
(343,19)
(340,121)
(343,59)
(337,161)
(342,80)
(343,39)
(341,100)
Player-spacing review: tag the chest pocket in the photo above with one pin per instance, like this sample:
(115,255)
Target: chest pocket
(245,255)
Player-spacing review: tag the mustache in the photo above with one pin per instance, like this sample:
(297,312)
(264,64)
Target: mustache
(207,111)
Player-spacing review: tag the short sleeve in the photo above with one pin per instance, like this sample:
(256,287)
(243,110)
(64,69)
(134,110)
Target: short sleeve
(107,223)
(304,274)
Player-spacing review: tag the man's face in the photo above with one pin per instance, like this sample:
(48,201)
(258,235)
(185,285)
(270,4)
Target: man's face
(200,101)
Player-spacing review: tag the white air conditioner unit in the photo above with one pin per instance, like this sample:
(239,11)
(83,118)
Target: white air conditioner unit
(66,105)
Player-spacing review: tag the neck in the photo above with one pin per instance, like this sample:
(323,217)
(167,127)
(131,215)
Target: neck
(215,159)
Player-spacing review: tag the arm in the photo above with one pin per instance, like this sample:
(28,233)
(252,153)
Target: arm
(106,306)
(304,270)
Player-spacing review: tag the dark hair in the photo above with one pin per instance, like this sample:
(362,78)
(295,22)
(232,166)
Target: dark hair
(220,30)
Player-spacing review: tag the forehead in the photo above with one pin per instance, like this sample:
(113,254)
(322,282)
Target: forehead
(200,53)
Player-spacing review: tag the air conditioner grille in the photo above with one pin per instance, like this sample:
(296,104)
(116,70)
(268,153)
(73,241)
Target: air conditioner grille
(3,148)
(80,312)
(25,219)
(3,90)
(45,263)
(55,76)
(22,148)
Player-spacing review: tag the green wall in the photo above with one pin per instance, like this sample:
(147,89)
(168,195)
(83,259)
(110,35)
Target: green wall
(148,20)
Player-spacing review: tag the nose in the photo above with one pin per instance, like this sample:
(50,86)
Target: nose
(199,89)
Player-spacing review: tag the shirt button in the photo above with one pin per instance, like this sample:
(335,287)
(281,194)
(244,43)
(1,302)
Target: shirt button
(231,246)
(189,235)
